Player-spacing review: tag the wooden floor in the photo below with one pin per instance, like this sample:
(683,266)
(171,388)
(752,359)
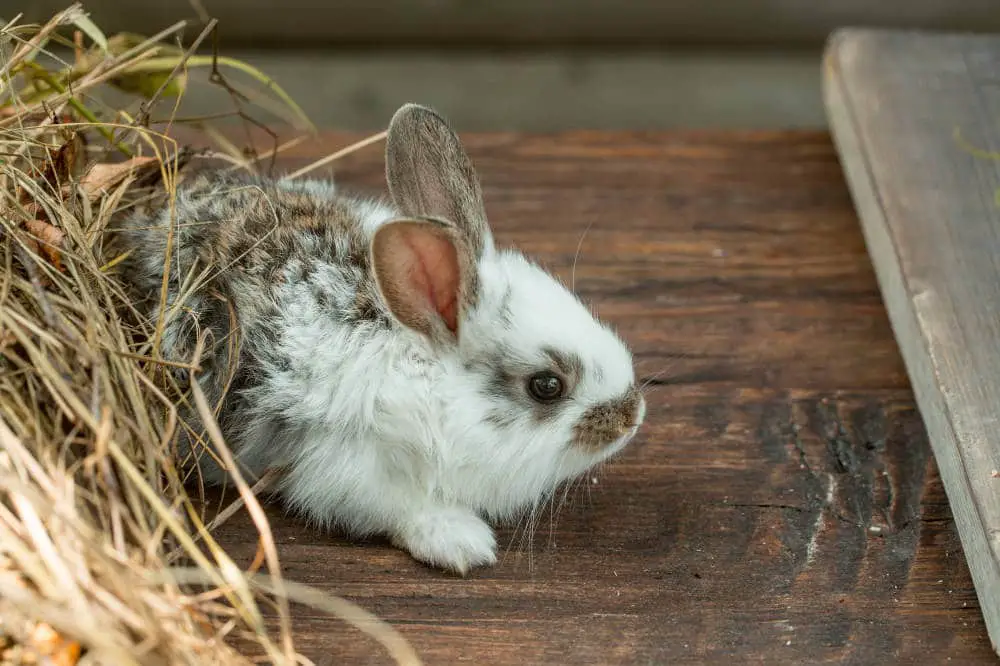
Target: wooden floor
(780,506)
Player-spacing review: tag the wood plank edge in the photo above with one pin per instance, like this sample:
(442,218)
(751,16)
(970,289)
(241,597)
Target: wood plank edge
(914,347)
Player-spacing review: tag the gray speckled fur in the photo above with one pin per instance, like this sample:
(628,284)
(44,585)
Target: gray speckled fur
(251,245)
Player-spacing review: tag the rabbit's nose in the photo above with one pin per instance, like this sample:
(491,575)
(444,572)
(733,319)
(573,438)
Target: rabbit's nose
(606,423)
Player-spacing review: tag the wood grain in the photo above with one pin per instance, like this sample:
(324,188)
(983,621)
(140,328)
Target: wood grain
(781,505)
(907,109)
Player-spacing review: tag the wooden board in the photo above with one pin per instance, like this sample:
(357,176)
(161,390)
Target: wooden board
(913,115)
(780,507)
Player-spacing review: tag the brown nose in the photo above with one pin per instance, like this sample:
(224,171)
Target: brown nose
(604,424)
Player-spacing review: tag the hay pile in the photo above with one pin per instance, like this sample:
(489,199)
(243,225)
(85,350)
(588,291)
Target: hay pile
(105,558)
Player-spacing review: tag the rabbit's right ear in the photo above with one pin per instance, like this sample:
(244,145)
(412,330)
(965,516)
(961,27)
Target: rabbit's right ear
(430,175)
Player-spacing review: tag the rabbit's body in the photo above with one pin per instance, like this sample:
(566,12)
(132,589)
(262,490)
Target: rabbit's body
(397,365)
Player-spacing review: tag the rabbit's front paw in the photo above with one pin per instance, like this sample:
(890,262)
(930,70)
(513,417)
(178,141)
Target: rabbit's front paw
(450,538)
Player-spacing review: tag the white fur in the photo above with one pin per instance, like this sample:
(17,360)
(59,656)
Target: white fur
(397,442)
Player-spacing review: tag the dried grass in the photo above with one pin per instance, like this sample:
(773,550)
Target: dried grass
(104,555)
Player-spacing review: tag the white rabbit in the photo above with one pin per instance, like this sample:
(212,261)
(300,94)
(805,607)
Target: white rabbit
(413,379)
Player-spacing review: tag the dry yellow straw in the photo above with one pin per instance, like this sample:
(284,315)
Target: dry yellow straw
(103,552)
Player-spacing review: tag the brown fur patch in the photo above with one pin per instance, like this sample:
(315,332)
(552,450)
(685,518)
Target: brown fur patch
(602,424)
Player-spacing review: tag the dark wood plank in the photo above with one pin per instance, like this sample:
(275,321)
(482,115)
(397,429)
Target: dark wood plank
(929,206)
(781,506)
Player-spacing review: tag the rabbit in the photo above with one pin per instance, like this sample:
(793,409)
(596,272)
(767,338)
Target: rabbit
(414,380)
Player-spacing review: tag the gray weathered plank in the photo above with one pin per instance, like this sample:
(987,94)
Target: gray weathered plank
(906,109)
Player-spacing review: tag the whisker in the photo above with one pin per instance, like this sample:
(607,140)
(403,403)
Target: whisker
(518,545)
(576,257)
(532,524)
(552,523)
(652,383)
(652,379)
(515,543)
(570,487)
(528,536)
(589,484)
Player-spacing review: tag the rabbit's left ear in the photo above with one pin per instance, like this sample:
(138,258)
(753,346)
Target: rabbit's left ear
(430,175)
(425,272)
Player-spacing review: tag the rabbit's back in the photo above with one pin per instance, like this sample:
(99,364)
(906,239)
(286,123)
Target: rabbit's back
(250,260)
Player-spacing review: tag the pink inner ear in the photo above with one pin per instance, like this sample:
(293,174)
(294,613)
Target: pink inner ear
(433,273)
(418,269)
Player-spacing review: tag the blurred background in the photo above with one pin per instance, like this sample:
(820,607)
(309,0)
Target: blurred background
(538,65)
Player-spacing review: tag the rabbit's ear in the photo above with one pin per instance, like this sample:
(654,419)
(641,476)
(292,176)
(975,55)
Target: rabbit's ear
(426,274)
(430,175)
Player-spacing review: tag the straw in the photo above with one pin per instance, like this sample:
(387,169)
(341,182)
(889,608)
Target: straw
(106,556)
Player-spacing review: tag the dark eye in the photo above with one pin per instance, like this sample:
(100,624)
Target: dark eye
(545,386)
